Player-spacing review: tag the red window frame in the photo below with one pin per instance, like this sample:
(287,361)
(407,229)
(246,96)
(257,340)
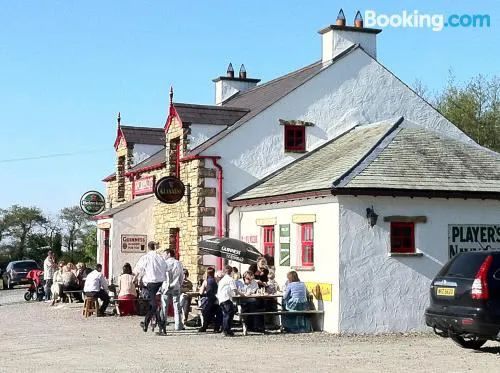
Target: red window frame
(268,240)
(177,244)
(307,244)
(295,138)
(402,237)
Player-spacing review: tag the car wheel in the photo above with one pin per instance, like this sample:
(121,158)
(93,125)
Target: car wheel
(469,342)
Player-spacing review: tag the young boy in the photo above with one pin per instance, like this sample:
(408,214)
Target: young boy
(225,292)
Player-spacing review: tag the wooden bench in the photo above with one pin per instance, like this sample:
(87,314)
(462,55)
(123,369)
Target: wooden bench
(275,313)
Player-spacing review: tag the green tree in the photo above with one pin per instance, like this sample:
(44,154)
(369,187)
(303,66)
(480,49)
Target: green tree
(74,225)
(89,246)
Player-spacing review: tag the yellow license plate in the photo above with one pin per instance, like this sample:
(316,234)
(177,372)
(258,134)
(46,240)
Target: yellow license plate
(446,292)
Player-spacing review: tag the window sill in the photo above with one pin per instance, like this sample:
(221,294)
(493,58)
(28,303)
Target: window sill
(405,254)
(303,268)
(295,151)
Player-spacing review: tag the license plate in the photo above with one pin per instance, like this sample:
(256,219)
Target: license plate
(446,292)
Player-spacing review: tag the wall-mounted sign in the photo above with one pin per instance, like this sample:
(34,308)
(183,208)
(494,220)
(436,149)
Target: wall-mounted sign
(133,243)
(473,237)
(144,185)
(169,189)
(321,291)
(92,203)
(250,239)
(284,244)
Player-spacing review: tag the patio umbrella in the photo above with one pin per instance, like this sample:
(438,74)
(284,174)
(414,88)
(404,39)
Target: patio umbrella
(230,248)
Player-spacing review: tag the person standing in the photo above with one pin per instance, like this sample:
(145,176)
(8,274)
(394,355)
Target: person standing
(152,268)
(49,266)
(171,289)
(96,286)
(225,292)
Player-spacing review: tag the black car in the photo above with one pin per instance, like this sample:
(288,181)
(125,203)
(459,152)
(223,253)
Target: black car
(16,271)
(465,299)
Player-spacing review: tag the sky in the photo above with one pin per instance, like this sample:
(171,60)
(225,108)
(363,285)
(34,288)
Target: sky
(68,67)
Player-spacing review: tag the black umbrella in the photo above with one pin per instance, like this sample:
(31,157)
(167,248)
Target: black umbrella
(230,248)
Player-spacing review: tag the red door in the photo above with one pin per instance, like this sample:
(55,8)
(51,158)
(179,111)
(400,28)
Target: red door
(105,259)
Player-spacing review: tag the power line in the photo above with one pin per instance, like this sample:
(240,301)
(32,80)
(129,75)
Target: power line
(46,156)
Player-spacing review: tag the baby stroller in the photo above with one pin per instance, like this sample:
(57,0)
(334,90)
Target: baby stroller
(35,291)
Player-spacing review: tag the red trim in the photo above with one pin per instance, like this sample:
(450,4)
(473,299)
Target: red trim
(146,169)
(102,217)
(109,178)
(268,240)
(119,135)
(281,198)
(144,191)
(307,242)
(297,136)
(171,114)
(401,248)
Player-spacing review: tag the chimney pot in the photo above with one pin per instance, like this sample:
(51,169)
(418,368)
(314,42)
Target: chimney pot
(340,18)
(243,72)
(230,71)
(358,20)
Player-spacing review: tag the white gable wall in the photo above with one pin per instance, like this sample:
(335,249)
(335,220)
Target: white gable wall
(201,133)
(354,90)
(143,151)
(379,293)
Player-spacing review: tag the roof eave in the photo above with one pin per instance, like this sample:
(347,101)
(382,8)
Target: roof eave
(280,198)
(411,193)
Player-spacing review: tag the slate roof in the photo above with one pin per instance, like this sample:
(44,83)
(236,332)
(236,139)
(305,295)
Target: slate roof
(144,135)
(391,155)
(209,114)
(115,210)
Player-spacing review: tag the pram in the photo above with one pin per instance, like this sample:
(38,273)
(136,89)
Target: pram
(35,291)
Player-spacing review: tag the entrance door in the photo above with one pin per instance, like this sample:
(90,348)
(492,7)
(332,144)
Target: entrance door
(105,259)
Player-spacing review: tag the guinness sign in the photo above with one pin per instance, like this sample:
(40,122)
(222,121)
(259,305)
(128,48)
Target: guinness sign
(169,189)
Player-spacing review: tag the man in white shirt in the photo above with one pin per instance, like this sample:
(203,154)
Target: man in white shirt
(152,268)
(49,266)
(96,286)
(225,292)
(171,289)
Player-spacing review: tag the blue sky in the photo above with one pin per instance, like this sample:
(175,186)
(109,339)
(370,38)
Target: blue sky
(68,67)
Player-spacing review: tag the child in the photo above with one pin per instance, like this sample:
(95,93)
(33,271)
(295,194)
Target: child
(272,284)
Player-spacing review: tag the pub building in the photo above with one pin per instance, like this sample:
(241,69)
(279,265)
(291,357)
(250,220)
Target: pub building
(338,170)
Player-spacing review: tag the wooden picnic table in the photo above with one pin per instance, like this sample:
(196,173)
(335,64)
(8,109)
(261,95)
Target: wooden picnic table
(243,315)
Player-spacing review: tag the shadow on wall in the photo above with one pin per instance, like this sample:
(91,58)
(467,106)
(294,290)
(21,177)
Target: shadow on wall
(426,265)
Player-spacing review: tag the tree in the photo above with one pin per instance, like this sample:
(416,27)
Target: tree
(18,222)
(89,246)
(474,108)
(74,223)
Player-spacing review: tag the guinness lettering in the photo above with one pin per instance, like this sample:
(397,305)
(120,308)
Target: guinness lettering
(169,189)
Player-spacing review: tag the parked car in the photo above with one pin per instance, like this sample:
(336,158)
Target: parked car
(16,271)
(465,299)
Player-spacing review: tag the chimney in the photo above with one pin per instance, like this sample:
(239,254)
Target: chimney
(337,38)
(227,86)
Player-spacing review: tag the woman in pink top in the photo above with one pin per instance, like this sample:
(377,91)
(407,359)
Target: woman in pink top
(127,295)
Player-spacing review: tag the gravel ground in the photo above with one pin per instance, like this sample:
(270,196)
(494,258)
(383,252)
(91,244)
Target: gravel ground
(36,337)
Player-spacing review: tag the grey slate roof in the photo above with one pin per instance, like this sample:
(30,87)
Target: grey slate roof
(317,170)
(209,114)
(389,155)
(144,135)
(126,205)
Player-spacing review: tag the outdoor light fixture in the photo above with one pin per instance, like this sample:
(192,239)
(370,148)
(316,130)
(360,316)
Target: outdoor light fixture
(371,216)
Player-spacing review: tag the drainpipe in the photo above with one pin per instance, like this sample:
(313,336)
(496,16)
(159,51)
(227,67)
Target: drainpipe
(219,178)
(228,214)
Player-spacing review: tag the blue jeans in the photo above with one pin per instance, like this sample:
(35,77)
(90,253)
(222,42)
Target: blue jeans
(227,308)
(152,288)
(46,288)
(175,296)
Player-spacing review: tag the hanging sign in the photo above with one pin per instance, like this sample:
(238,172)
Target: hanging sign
(92,203)
(169,189)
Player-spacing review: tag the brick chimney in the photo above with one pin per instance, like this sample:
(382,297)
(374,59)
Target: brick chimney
(337,38)
(227,86)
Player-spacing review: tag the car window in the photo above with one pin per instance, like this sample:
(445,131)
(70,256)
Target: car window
(25,265)
(463,265)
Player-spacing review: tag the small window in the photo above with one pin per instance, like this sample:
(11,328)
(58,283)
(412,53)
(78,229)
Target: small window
(295,139)
(121,178)
(268,240)
(402,237)
(307,246)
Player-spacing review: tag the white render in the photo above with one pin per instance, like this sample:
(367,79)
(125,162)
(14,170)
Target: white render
(226,88)
(136,219)
(201,133)
(354,90)
(334,42)
(140,152)
(372,292)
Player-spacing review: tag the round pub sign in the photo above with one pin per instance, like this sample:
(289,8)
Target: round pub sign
(92,203)
(169,189)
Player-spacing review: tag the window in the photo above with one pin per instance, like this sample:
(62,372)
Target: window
(174,241)
(295,138)
(268,240)
(121,178)
(175,154)
(307,246)
(402,237)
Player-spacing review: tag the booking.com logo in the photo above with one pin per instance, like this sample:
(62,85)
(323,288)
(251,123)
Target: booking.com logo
(436,22)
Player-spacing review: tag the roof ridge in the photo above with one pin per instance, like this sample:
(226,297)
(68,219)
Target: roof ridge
(142,128)
(370,155)
(228,108)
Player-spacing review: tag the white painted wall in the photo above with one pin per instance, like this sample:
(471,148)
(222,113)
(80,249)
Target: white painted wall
(144,151)
(201,133)
(334,42)
(379,293)
(354,90)
(326,243)
(226,88)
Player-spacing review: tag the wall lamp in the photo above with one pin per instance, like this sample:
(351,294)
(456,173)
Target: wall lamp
(371,216)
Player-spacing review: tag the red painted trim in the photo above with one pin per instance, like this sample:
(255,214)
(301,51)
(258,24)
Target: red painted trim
(102,217)
(401,248)
(119,135)
(109,178)
(146,169)
(281,198)
(146,191)
(172,113)
(268,240)
(301,147)
(306,229)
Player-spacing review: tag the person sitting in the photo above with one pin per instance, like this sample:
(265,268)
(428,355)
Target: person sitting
(186,287)
(70,282)
(96,286)
(249,287)
(81,273)
(295,298)
(208,302)
(127,295)
(272,285)
(260,271)
(56,288)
